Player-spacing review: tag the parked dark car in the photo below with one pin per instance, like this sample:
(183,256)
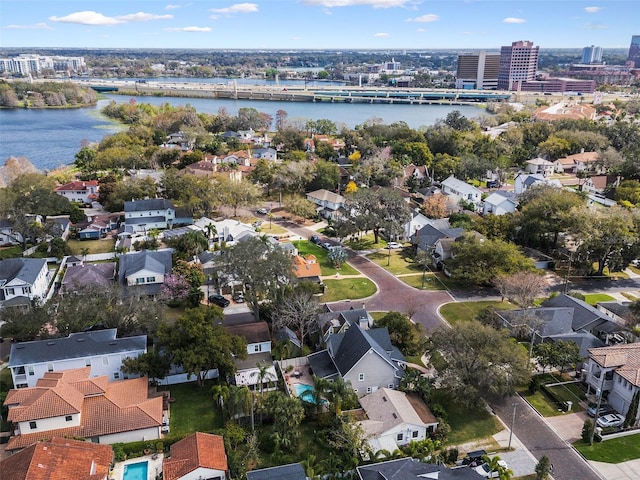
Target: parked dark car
(315,239)
(474,458)
(493,184)
(219,300)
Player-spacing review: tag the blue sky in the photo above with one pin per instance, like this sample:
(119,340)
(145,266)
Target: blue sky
(317,24)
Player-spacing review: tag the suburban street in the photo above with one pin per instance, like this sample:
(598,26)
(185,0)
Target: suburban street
(540,439)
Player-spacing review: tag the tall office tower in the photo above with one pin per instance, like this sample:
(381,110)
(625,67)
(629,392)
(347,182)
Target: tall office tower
(478,70)
(518,63)
(634,51)
(591,54)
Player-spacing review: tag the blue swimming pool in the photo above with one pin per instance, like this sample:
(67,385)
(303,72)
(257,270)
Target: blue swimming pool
(304,392)
(136,471)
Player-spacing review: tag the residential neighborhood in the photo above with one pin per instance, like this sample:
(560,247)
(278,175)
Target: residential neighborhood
(204,296)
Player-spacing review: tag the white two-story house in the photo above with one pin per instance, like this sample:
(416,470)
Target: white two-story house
(461,191)
(79,191)
(23,280)
(100,349)
(145,270)
(258,339)
(144,215)
(328,204)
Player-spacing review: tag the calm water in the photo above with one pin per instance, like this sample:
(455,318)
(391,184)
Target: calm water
(50,138)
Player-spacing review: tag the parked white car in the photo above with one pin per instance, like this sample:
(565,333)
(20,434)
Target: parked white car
(486,472)
(394,245)
(610,420)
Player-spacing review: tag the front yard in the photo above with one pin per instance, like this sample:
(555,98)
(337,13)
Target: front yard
(104,245)
(612,451)
(347,288)
(464,311)
(305,247)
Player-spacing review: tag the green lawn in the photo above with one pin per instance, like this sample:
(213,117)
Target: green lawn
(305,247)
(365,242)
(400,261)
(94,246)
(593,298)
(463,311)
(629,296)
(270,229)
(431,281)
(467,424)
(10,252)
(193,409)
(612,451)
(348,288)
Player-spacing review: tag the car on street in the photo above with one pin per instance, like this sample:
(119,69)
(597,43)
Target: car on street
(315,239)
(604,410)
(394,245)
(486,472)
(262,211)
(219,300)
(610,420)
(257,224)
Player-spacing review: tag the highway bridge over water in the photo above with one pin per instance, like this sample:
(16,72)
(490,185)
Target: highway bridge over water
(345,94)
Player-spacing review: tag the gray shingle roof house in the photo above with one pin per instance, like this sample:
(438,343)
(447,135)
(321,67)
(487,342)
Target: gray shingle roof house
(411,469)
(144,215)
(332,322)
(99,349)
(23,279)
(357,357)
(145,269)
(99,274)
(293,471)
(427,236)
(585,317)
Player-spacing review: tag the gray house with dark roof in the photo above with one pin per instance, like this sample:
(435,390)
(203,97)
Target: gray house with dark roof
(147,214)
(100,350)
(412,469)
(365,358)
(83,275)
(145,270)
(293,471)
(427,237)
(332,322)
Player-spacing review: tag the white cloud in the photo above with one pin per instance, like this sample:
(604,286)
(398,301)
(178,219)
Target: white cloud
(596,26)
(172,7)
(354,3)
(592,9)
(143,17)
(237,8)
(429,17)
(191,29)
(514,20)
(89,17)
(381,35)
(35,26)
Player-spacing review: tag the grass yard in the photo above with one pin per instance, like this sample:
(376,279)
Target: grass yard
(464,311)
(431,281)
(629,296)
(467,424)
(612,451)
(326,267)
(347,288)
(593,298)
(365,242)
(10,252)
(94,246)
(270,229)
(193,409)
(400,261)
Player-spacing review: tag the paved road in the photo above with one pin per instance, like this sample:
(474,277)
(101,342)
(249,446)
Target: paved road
(538,437)
(393,294)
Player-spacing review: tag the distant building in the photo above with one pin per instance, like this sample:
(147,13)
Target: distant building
(518,64)
(634,51)
(478,70)
(591,54)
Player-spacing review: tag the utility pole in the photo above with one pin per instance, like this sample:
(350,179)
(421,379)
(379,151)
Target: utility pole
(513,420)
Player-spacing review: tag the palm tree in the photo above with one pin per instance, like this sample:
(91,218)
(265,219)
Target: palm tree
(220,396)
(264,374)
(212,231)
(494,466)
(84,252)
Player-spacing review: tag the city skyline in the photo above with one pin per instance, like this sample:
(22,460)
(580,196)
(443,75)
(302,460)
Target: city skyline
(316,24)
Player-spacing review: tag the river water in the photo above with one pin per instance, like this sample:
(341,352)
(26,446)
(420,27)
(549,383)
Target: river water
(51,138)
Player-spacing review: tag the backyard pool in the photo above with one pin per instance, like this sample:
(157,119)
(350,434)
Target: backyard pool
(135,471)
(304,392)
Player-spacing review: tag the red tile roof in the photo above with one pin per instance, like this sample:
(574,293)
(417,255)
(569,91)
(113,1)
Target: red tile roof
(199,450)
(306,267)
(104,407)
(77,186)
(59,459)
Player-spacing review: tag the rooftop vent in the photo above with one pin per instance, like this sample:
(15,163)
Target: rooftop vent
(81,339)
(113,343)
(394,415)
(51,343)
(384,399)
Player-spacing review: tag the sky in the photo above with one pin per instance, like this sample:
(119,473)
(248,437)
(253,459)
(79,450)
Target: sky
(317,24)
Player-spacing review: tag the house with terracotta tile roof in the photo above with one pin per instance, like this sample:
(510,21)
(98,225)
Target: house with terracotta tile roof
(307,268)
(599,184)
(615,371)
(59,458)
(70,403)
(200,455)
(84,192)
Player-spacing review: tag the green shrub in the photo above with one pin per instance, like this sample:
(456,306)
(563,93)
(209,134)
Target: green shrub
(587,428)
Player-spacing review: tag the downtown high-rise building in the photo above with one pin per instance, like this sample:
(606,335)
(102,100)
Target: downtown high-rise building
(518,64)
(478,70)
(591,55)
(634,51)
